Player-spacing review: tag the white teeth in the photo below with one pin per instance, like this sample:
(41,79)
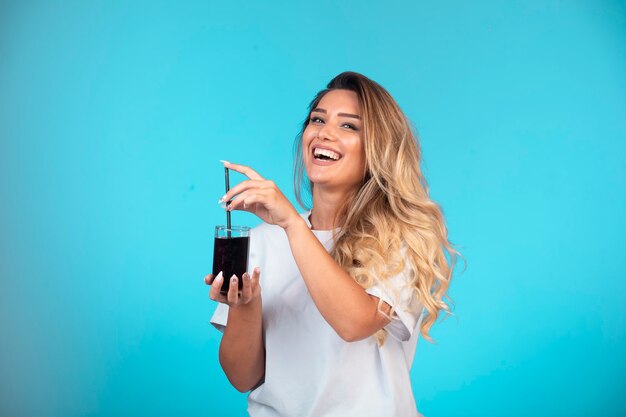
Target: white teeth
(332,155)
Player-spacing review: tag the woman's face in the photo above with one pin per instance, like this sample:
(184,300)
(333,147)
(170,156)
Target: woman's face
(332,143)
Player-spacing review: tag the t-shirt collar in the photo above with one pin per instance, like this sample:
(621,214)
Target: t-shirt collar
(306,216)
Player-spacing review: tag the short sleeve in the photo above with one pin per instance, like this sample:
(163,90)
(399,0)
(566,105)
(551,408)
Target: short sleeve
(398,293)
(220,317)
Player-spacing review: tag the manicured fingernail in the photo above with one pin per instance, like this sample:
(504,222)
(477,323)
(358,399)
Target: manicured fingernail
(257,270)
(223,206)
(224,162)
(222,199)
(233,280)
(219,276)
(248,277)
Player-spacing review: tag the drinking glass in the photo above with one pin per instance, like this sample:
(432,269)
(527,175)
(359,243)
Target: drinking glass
(230,254)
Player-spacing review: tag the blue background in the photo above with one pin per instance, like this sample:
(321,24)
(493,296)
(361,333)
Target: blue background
(113,117)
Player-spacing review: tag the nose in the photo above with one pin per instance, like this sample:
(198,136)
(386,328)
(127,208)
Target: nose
(325,133)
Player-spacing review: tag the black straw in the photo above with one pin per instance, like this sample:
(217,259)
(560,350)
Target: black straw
(226,178)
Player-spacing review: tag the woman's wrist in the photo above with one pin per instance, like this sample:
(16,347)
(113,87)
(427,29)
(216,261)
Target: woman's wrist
(249,311)
(295,223)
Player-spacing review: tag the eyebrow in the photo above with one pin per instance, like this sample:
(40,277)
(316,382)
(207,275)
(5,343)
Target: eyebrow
(320,110)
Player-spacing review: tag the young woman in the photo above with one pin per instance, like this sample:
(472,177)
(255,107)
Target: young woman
(348,286)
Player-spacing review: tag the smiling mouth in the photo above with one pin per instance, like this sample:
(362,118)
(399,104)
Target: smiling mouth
(325,155)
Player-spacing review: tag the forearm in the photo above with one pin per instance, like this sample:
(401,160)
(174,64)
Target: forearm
(242,354)
(343,303)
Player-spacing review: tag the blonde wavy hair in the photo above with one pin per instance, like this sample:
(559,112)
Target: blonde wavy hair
(389,220)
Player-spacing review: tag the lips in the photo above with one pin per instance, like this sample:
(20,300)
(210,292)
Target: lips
(323,154)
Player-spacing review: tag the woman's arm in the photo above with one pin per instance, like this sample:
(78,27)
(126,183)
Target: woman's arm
(241,354)
(343,303)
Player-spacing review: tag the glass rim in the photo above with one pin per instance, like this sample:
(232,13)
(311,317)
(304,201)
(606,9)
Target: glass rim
(233,228)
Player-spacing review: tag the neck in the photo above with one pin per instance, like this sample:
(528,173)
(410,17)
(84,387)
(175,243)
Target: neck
(326,205)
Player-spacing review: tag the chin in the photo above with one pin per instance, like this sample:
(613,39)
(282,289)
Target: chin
(319,178)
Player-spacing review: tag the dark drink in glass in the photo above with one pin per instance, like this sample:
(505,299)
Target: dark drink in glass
(230,254)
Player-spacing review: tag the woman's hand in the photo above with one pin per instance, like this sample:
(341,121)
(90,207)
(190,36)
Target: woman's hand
(260,197)
(251,288)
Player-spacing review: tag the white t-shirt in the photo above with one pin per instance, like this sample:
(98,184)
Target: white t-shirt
(309,370)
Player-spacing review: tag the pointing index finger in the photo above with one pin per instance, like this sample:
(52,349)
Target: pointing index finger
(245,170)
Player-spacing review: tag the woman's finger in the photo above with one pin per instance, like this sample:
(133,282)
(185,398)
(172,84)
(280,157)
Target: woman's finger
(247,199)
(216,286)
(233,292)
(247,171)
(240,188)
(208,280)
(256,277)
(246,291)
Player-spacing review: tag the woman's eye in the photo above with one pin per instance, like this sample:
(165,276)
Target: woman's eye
(315,119)
(349,126)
